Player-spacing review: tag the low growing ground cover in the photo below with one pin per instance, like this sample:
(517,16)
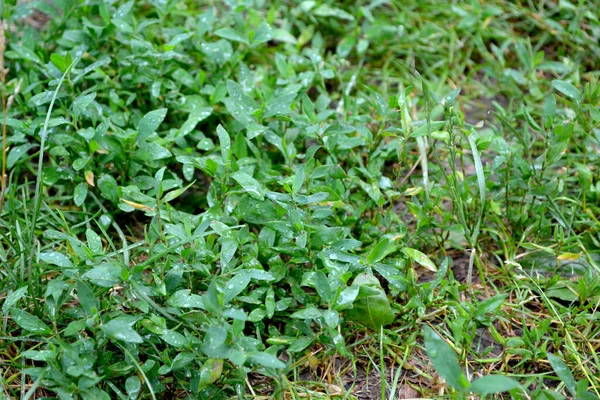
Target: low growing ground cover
(300,199)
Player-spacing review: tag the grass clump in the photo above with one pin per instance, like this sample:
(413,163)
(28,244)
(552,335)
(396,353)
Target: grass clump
(287,200)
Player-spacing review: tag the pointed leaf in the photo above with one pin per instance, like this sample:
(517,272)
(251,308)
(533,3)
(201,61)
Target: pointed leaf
(444,360)
(564,373)
(566,88)
(150,122)
(420,258)
(266,360)
(492,384)
(250,185)
(121,328)
(29,322)
(371,306)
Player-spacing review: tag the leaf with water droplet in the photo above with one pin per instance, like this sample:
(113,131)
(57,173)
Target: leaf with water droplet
(250,185)
(150,122)
(235,286)
(263,34)
(13,298)
(82,102)
(210,371)
(225,142)
(309,312)
(121,328)
(16,153)
(325,10)
(239,104)
(420,258)
(133,386)
(93,241)
(174,338)
(29,322)
(232,34)
(346,297)
(279,105)
(56,258)
(106,274)
(567,89)
(196,115)
(151,152)
(80,193)
(184,299)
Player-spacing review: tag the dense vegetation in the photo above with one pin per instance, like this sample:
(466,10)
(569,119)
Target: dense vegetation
(300,199)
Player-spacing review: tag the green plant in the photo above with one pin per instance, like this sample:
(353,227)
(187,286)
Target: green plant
(245,198)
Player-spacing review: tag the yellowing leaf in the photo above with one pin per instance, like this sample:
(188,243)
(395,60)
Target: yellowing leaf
(137,206)
(568,256)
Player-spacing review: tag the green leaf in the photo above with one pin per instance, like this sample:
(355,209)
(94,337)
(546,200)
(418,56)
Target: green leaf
(307,313)
(93,241)
(150,122)
(420,258)
(80,193)
(566,88)
(151,152)
(250,185)
(444,360)
(29,322)
(60,61)
(82,103)
(492,384)
(563,372)
(16,153)
(299,177)
(174,338)
(279,105)
(371,306)
(266,360)
(41,98)
(133,386)
(232,34)
(325,10)
(13,298)
(270,302)
(121,328)
(239,104)
(383,248)
(300,344)
(489,306)
(210,371)
(263,34)
(56,258)
(308,108)
(184,299)
(86,298)
(109,188)
(534,125)
(235,286)
(196,115)
(225,142)
(173,194)
(318,281)
(106,274)
(549,111)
